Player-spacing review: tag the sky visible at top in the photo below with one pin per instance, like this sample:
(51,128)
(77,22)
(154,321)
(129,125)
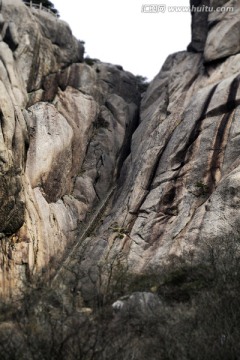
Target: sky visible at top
(119,32)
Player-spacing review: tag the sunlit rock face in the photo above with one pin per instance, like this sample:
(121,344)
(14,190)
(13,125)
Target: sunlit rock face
(179,187)
(73,133)
(65,132)
(224,31)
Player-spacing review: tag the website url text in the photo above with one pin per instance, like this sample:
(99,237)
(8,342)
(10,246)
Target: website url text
(162,8)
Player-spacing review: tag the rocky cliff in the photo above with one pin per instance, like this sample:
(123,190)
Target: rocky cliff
(150,180)
(179,187)
(65,132)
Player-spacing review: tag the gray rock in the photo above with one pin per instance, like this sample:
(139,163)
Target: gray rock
(199,26)
(140,304)
(66,129)
(223,37)
(83,162)
(175,188)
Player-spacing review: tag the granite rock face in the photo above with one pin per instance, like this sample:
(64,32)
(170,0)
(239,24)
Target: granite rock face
(178,189)
(65,132)
(72,135)
(224,32)
(199,25)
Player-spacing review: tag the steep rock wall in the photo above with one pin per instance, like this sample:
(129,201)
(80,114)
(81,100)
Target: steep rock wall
(65,132)
(179,188)
(70,133)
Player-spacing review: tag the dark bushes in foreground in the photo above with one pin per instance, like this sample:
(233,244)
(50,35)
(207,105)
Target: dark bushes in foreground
(199,316)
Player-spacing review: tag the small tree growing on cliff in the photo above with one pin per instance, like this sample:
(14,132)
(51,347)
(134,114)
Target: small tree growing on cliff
(46,3)
(142,83)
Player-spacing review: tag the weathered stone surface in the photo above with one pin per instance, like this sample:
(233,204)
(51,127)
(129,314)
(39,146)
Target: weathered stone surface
(199,25)
(139,304)
(65,131)
(50,143)
(45,43)
(72,135)
(178,189)
(215,28)
(223,36)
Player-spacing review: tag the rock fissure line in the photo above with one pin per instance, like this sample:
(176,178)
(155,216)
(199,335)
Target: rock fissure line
(222,133)
(223,109)
(169,197)
(190,83)
(93,222)
(154,171)
(182,154)
(231,103)
(220,139)
(217,156)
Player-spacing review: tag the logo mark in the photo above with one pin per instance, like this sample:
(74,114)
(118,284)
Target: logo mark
(153,8)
